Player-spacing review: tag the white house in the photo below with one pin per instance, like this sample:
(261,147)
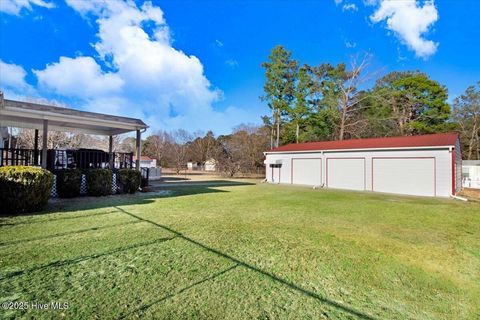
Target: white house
(427,165)
(210,165)
(471,173)
(146,162)
(194,166)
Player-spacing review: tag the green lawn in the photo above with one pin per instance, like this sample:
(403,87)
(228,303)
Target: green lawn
(245,251)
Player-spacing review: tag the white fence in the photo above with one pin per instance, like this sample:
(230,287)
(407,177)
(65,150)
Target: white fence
(468,183)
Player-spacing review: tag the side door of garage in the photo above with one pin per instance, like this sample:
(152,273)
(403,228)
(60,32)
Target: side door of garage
(307,171)
(404,175)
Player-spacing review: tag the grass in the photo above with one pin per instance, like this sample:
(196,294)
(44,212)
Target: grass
(245,251)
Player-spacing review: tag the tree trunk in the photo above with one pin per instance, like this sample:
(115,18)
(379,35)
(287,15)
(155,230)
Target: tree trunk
(297,131)
(342,123)
(271,136)
(472,141)
(478,147)
(278,128)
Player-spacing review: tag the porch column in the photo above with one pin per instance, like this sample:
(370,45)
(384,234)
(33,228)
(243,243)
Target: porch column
(35,149)
(139,150)
(44,145)
(110,153)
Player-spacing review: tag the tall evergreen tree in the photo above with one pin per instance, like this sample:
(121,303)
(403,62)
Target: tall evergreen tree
(411,103)
(279,87)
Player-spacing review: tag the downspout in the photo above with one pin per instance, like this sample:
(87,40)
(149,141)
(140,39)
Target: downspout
(458,198)
(452,195)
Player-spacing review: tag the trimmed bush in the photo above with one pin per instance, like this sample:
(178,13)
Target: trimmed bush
(68,183)
(99,182)
(24,189)
(129,180)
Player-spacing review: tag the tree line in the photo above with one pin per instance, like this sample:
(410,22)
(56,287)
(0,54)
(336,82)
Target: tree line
(335,102)
(238,152)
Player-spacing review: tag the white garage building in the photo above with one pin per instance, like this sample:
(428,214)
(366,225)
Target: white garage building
(427,165)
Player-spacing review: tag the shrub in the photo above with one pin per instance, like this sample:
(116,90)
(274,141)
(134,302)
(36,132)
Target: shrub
(24,189)
(129,180)
(68,183)
(99,182)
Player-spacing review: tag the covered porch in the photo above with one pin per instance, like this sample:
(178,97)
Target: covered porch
(43,118)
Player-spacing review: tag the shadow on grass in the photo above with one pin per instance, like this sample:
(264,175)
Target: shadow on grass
(183,182)
(60,263)
(171,295)
(61,234)
(237,262)
(91,203)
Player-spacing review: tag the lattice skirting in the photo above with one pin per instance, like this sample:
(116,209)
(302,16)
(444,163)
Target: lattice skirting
(54,193)
(114,183)
(83,185)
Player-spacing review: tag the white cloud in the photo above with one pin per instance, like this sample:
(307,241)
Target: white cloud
(218,43)
(79,77)
(12,80)
(147,77)
(409,21)
(349,7)
(15,6)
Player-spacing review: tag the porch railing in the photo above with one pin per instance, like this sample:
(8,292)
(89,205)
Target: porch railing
(64,159)
(19,157)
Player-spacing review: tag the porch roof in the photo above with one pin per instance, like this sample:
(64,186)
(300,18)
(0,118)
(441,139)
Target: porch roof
(31,115)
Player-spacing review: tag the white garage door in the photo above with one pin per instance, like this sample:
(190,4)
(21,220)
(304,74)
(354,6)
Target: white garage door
(307,171)
(346,173)
(415,176)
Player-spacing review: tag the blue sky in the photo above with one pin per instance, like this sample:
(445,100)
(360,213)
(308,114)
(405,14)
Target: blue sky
(196,64)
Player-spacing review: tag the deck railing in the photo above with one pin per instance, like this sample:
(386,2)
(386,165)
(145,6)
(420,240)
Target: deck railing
(19,157)
(64,159)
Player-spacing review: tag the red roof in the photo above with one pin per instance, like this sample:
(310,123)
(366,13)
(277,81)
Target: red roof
(429,140)
(143,158)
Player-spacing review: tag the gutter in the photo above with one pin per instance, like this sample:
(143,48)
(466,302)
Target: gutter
(358,149)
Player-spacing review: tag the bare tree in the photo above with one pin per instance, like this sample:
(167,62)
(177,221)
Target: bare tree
(467,115)
(158,146)
(242,151)
(201,148)
(349,98)
(62,140)
(178,149)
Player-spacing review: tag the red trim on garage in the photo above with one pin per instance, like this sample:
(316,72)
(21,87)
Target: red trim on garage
(349,158)
(434,169)
(291,177)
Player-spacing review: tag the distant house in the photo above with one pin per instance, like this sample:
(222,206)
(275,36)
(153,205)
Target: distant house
(194,166)
(146,162)
(211,165)
(208,165)
(471,174)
